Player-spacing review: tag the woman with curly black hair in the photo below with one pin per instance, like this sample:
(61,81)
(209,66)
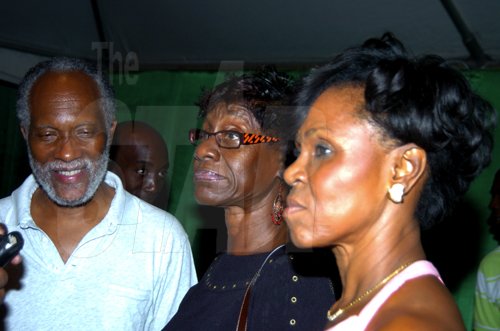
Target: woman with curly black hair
(241,152)
(388,145)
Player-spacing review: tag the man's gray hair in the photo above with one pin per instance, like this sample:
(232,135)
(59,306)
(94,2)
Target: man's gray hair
(63,64)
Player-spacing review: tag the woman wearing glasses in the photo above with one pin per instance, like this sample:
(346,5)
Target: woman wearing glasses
(238,165)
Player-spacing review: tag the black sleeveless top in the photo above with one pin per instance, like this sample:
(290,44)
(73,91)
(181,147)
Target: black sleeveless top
(292,292)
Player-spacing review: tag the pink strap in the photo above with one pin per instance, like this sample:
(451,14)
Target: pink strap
(415,270)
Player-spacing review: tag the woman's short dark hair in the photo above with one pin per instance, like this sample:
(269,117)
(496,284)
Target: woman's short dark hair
(416,100)
(266,94)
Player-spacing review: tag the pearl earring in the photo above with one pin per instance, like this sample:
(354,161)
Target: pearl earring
(396,192)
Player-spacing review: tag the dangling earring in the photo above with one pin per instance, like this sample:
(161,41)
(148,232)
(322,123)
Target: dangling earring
(396,192)
(278,207)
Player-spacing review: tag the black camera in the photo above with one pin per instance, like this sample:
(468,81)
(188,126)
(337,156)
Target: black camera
(10,245)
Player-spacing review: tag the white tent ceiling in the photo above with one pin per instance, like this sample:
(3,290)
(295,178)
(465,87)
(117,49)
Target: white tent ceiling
(190,34)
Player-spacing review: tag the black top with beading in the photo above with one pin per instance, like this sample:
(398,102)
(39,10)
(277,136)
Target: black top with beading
(291,293)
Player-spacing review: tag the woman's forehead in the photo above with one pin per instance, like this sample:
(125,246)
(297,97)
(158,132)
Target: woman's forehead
(232,112)
(335,105)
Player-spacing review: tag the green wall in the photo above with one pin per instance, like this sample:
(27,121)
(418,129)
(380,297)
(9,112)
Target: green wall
(166,99)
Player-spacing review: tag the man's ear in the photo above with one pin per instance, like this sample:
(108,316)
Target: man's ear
(409,166)
(24,132)
(112,130)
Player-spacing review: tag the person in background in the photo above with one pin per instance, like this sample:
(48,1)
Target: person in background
(388,144)
(241,152)
(95,257)
(139,156)
(487,295)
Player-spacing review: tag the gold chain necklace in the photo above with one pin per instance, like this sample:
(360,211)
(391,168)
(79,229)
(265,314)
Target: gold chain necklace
(332,316)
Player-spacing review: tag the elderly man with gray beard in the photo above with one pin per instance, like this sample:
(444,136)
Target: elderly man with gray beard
(95,257)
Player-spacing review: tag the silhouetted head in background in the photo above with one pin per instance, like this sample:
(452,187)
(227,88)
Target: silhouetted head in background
(140,158)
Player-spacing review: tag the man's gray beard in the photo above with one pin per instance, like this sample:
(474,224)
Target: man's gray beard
(96,170)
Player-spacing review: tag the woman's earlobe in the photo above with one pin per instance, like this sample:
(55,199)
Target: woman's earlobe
(409,167)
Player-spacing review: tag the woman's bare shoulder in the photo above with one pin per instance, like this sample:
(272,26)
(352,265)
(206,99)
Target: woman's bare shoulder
(423,303)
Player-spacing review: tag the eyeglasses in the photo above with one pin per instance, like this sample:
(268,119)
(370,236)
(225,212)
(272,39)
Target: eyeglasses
(229,138)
